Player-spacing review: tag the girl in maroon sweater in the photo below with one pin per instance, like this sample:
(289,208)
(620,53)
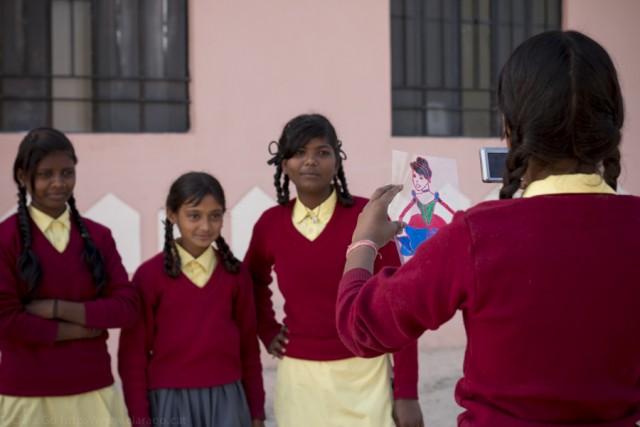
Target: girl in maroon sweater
(62,284)
(319,381)
(193,357)
(548,283)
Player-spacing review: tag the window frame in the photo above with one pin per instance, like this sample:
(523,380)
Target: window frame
(412,87)
(162,99)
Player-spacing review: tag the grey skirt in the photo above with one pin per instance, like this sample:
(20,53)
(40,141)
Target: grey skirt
(222,406)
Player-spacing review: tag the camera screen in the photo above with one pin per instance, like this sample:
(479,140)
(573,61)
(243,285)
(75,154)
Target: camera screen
(492,161)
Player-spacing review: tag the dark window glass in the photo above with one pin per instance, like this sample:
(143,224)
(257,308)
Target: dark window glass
(94,65)
(445,59)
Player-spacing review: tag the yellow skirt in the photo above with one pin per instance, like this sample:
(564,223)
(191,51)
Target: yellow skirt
(104,407)
(352,392)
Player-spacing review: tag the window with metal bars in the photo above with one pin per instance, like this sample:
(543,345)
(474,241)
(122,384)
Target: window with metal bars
(94,65)
(446,56)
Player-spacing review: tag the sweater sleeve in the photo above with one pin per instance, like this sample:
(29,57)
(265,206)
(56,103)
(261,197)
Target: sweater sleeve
(388,311)
(134,353)
(118,305)
(245,318)
(260,262)
(405,372)
(15,323)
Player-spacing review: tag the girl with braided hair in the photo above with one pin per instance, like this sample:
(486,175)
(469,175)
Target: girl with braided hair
(319,381)
(62,284)
(193,357)
(548,282)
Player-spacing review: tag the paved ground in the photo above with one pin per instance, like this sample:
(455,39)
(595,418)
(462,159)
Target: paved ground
(440,369)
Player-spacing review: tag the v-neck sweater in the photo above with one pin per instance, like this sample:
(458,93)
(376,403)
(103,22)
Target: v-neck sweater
(548,287)
(308,274)
(191,337)
(32,362)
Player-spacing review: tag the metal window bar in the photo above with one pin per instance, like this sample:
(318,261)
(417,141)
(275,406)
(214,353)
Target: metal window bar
(494,64)
(95,76)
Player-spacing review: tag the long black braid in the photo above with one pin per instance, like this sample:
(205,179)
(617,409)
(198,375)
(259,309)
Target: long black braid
(191,188)
(295,135)
(28,263)
(231,263)
(90,252)
(560,99)
(172,262)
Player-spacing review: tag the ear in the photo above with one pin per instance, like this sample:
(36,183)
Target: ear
(284,166)
(22,177)
(172,216)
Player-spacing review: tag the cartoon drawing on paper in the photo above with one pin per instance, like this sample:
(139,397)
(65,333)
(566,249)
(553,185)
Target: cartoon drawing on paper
(428,200)
(421,215)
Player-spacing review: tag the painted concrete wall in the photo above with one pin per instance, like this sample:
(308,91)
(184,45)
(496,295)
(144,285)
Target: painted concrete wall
(253,67)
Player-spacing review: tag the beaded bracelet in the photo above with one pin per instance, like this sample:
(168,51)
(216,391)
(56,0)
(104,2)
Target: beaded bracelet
(367,243)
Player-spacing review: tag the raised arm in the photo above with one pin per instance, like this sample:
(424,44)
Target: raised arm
(386,312)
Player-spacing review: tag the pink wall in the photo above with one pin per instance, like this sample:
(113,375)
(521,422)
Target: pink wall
(615,25)
(255,67)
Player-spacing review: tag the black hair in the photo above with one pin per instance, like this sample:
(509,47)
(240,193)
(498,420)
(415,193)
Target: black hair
(190,188)
(35,146)
(421,166)
(295,135)
(560,99)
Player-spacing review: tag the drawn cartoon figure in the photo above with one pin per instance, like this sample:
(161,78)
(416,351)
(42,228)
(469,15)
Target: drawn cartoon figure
(424,222)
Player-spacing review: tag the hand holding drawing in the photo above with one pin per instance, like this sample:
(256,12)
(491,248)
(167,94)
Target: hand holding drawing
(373,222)
(374,225)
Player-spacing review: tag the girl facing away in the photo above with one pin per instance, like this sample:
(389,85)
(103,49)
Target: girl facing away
(62,284)
(548,284)
(193,357)
(319,381)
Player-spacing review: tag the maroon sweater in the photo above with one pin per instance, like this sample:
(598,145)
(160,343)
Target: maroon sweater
(32,362)
(549,288)
(191,337)
(308,273)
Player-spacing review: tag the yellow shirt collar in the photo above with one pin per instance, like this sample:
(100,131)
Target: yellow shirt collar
(207,260)
(43,221)
(565,184)
(322,212)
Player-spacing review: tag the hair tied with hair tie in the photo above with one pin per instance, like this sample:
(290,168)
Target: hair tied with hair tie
(275,160)
(341,153)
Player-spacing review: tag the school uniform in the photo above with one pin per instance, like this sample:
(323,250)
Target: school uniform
(193,356)
(548,288)
(319,381)
(42,380)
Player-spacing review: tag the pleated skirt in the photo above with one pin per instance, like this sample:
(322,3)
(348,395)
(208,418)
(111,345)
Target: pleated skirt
(221,406)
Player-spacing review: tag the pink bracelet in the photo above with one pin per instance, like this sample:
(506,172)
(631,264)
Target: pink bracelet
(367,243)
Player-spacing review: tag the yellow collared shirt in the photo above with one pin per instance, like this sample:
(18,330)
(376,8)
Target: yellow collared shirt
(565,184)
(56,230)
(311,222)
(198,270)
